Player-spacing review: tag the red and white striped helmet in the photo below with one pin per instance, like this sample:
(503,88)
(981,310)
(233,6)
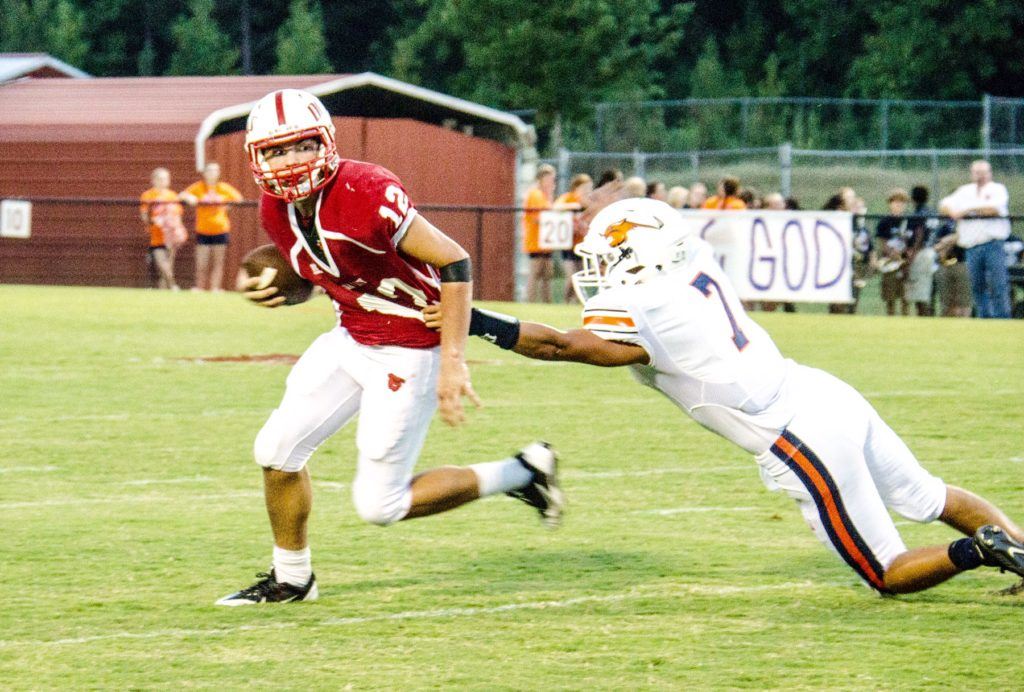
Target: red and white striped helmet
(286,116)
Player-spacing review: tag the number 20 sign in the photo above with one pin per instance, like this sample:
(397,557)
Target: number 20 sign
(555,230)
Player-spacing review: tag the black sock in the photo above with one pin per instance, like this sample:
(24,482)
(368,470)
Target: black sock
(965,554)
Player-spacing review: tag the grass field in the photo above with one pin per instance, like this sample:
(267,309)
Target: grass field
(129,502)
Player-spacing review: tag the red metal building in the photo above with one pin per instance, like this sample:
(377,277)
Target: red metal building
(82,150)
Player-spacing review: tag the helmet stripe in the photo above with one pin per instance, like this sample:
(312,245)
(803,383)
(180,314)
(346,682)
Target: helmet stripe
(279,102)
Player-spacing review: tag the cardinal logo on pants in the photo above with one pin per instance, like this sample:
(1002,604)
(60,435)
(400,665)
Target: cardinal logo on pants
(395,382)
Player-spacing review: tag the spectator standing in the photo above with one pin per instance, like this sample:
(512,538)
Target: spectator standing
(751,196)
(160,211)
(635,186)
(538,198)
(609,175)
(846,200)
(774,201)
(698,195)
(920,254)
(979,209)
(657,190)
(952,282)
(677,197)
(212,225)
(728,189)
(580,187)
(892,233)
(862,245)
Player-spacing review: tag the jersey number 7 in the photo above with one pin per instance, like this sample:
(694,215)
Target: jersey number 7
(704,283)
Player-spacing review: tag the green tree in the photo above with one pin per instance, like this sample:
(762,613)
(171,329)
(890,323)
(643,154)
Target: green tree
(201,48)
(301,47)
(556,57)
(44,26)
(710,79)
(936,49)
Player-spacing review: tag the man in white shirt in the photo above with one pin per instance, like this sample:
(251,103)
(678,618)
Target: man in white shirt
(980,209)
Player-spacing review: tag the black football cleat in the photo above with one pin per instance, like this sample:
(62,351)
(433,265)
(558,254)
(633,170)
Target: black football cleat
(269,590)
(999,549)
(543,491)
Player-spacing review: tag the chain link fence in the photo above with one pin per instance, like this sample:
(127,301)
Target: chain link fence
(806,122)
(809,175)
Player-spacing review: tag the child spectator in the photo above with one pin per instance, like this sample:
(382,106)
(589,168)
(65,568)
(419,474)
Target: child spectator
(212,225)
(160,211)
(892,234)
(921,233)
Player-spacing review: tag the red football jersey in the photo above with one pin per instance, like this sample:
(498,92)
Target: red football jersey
(350,248)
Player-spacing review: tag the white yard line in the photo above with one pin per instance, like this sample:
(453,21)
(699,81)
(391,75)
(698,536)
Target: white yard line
(932,393)
(440,613)
(687,510)
(121,499)
(656,472)
(28,469)
(170,481)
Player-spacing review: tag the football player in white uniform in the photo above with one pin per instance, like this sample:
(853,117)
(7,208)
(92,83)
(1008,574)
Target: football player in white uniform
(656,300)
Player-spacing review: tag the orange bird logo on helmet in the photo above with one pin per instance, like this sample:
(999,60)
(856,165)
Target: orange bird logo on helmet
(616,233)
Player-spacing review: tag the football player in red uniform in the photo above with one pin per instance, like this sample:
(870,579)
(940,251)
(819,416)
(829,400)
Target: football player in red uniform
(350,228)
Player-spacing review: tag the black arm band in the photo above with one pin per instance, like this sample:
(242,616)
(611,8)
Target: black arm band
(461,271)
(501,330)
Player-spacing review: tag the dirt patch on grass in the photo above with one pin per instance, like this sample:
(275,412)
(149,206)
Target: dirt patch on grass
(268,358)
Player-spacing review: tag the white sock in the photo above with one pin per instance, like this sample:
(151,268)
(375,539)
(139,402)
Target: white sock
(293,567)
(501,476)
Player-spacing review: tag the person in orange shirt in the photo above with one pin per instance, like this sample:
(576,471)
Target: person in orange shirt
(212,225)
(160,211)
(580,186)
(728,187)
(538,198)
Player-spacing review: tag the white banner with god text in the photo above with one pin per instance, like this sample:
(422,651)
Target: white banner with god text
(788,256)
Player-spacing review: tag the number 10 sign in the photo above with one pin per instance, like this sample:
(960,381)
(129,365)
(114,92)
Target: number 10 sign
(15,218)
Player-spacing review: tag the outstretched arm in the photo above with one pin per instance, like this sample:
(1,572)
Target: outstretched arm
(577,345)
(541,342)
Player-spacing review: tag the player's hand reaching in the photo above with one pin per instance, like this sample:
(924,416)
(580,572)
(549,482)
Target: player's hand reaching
(432,316)
(453,384)
(255,288)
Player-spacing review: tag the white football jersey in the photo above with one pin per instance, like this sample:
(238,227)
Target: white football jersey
(707,355)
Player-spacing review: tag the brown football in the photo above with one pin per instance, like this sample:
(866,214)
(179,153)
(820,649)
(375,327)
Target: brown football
(266,262)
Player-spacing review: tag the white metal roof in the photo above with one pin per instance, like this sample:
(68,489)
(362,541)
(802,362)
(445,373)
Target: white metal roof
(17,65)
(373,95)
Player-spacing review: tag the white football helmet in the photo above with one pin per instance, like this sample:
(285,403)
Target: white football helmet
(283,117)
(629,241)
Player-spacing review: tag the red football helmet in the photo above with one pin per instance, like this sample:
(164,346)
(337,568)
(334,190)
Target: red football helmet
(283,117)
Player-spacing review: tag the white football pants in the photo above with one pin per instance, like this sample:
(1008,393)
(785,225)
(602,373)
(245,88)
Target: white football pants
(846,468)
(392,388)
